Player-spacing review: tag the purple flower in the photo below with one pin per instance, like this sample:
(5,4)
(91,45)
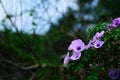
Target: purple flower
(95,41)
(91,42)
(116,21)
(76,45)
(98,44)
(111,26)
(113,73)
(67,58)
(99,34)
(75,56)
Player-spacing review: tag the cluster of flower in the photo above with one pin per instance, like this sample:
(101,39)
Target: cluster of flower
(77,46)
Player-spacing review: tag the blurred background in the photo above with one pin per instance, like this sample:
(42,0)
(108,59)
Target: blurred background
(35,34)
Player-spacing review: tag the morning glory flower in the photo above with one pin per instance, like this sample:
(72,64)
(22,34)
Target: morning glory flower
(113,73)
(111,26)
(67,58)
(116,21)
(75,56)
(98,44)
(95,41)
(77,45)
(91,42)
(99,34)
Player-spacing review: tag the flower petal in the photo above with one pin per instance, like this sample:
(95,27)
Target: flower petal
(98,44)
(99,34)
(111,26)
(88,46)
(75,56)
(67,58)
(116,21)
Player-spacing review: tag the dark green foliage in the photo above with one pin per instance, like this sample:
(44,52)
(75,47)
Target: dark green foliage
(14,51)
(107,9)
